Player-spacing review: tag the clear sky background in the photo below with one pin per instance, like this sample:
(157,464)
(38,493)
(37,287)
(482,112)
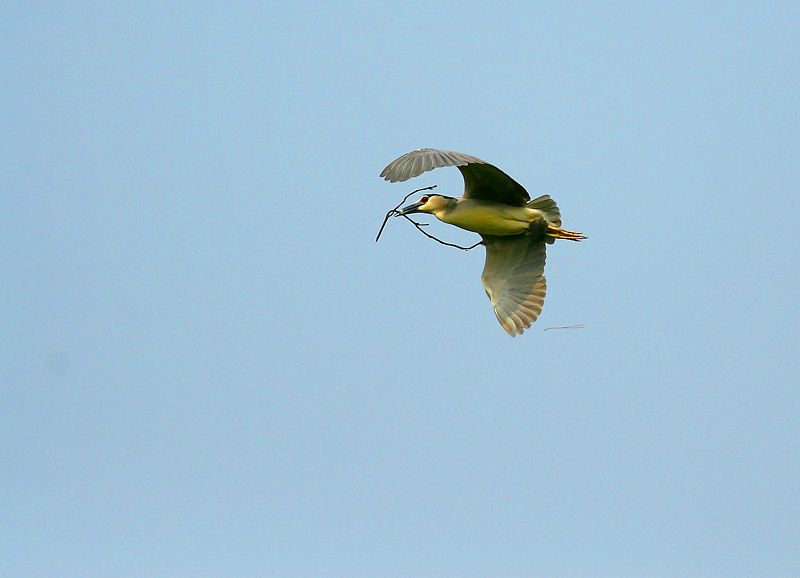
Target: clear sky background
(208,367)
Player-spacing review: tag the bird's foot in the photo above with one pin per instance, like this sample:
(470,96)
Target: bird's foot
(558,233)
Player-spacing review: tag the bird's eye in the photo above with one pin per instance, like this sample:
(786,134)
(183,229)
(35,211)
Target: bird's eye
(424,199)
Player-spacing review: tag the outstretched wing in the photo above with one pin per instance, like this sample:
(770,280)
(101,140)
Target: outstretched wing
(513,278)
(482,181)
(416,162)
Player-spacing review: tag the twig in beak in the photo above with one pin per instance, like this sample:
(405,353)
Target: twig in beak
(396,212)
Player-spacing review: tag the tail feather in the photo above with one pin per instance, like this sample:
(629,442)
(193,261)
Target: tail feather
(548,207)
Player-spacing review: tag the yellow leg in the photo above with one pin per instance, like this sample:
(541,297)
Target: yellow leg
(558,233)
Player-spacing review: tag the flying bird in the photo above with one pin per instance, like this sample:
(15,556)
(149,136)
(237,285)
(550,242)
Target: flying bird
(514,228)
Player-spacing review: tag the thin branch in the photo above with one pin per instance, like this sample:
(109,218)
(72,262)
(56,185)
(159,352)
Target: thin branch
(395,212)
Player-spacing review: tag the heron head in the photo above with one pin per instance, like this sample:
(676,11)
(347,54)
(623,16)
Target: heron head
(426,204)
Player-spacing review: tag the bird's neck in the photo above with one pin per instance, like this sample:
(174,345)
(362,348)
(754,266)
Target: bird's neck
(442,213)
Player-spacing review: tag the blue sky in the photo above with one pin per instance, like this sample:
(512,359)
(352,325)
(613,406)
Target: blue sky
(209,368)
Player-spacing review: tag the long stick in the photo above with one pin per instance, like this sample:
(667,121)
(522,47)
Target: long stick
(395,211)
(419,226)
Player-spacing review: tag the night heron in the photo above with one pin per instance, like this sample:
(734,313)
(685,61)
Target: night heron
(513,227)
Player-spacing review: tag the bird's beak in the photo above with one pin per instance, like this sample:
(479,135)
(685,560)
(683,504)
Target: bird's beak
(409,209)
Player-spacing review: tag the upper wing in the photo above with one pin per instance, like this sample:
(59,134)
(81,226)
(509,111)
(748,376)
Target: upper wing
(482,181)
(416,162)
(513,277)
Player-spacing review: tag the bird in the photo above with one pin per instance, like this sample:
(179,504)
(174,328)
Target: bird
(513,228)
